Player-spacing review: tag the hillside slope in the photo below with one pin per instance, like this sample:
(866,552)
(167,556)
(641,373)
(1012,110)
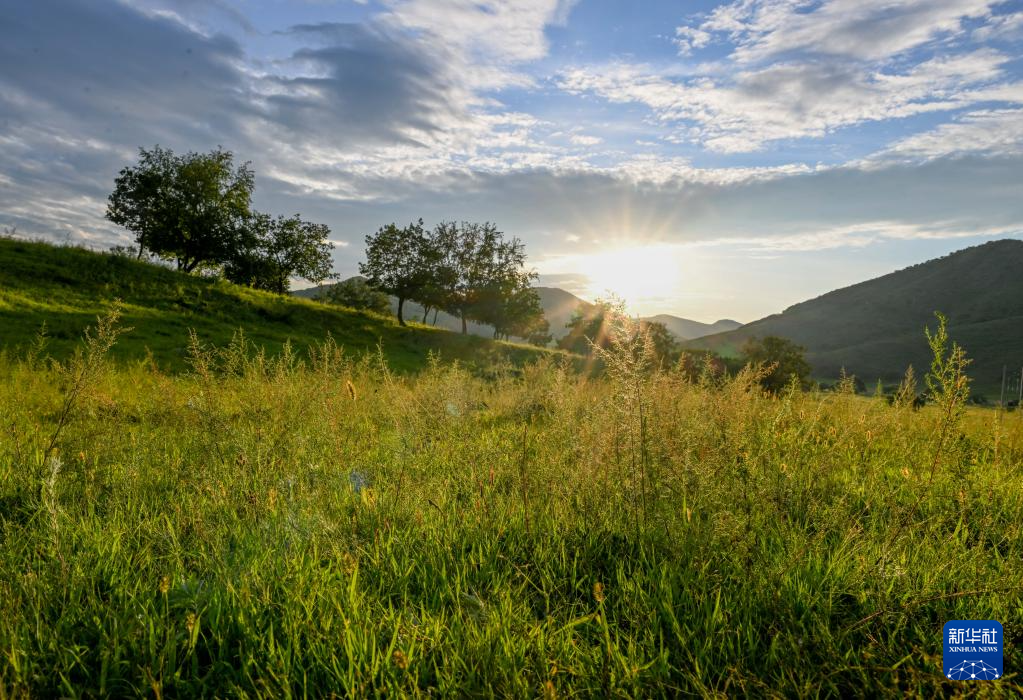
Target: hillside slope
(876,328)
(65,288)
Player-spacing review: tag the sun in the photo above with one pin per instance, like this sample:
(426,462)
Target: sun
(640,274)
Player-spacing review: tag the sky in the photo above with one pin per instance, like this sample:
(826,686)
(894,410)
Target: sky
(705,159)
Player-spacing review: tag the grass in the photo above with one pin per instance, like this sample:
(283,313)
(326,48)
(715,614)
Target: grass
(66,288)
(316,524)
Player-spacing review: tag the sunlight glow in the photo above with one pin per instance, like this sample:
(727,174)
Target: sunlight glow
(642,275)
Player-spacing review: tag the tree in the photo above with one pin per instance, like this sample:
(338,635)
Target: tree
(355,293)
(665,346)
(588,327)
(591,327)
(478,272)
(273,250)
(782,357)
(191,209)
(513,311)
(399,262)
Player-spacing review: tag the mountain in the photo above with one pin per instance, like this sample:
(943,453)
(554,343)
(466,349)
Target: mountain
(876,328)
(65,288)
(558,305)
(684,329)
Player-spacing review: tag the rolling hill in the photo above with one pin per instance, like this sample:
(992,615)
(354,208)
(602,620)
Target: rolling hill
(876,328)
(559,307)
(65,288)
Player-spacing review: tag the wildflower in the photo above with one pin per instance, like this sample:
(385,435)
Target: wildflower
(399,659)
(598,592)
(190,622)
(164,585)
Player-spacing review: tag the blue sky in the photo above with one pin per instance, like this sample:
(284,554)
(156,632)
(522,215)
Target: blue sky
(699,158)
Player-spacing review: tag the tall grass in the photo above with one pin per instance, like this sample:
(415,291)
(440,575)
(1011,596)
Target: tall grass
(313,525)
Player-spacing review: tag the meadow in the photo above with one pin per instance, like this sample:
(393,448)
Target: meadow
(315,524)
(64,288)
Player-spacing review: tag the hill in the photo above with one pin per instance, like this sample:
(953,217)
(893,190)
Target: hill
(65,288)
(874,329)
(559,307)
(685,329)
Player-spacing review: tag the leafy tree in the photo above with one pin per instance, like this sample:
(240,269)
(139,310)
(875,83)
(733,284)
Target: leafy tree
(694,364)
(399,261)
(782,357)
(477,272)
(272,250)
(514,311)
(356,293)
(665,346)
(191,209)
(590,327)
(536,331)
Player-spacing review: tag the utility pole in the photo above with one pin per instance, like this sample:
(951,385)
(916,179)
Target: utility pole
(1019,401)
(1001,400)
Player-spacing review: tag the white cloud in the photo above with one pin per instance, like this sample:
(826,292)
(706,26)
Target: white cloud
(998,131)
(860,29)
(788,100)
(690,38)
(1007,26)
(489,36)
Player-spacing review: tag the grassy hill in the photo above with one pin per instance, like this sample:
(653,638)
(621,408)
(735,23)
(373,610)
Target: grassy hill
(66,288)
(875,329)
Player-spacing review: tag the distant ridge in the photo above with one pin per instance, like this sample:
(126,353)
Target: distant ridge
(874,329)
(685,329)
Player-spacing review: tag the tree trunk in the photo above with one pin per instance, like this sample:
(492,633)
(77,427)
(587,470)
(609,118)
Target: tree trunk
(401,305)
(435,312)
(426,312)
(465,329)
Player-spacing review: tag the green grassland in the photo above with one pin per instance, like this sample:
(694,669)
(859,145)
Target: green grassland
(315,525)
(66,288)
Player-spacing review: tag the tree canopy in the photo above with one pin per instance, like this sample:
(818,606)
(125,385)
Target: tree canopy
(399,261)
(356,293)
(781,357)
(275,249)
(467,269)
(195,210)
(590,328)
(191,209)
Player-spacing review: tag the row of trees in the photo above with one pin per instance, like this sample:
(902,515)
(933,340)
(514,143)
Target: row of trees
(466,269)
(195,210)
